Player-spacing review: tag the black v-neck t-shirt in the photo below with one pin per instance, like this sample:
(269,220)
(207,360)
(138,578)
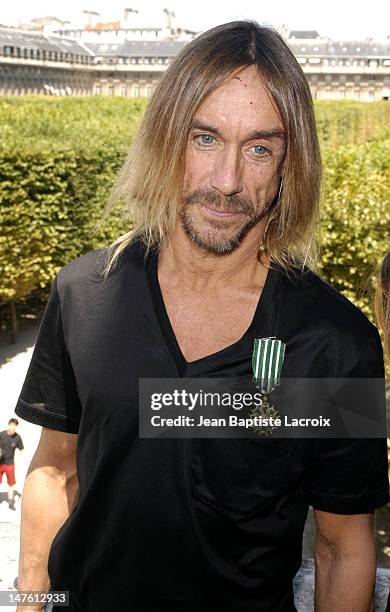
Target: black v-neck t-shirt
(190,524)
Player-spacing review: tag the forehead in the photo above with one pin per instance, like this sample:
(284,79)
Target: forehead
(241,102)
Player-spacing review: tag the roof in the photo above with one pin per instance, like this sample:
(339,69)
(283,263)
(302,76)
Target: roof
(304,34)
(169,48)
(43,42)
(134,48)
(329,48)
(103,26)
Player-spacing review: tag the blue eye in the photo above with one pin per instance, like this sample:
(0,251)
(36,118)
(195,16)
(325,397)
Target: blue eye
(205,139)
(260,150)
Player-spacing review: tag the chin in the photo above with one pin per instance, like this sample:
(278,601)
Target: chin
(216,236)
(218,247)
(213,240)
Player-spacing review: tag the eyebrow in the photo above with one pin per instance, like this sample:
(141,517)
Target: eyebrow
(275,133)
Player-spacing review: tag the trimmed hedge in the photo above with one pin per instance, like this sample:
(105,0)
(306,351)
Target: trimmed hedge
(355,218)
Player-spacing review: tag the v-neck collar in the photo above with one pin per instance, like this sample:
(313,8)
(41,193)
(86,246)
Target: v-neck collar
(189,368)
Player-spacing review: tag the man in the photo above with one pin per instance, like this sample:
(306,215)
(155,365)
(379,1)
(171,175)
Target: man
(223,184)
(9,442)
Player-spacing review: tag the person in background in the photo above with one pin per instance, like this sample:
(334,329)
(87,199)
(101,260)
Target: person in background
(382,302)
(9,442)
(382,309)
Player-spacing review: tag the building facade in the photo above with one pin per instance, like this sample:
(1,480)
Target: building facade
(129,61)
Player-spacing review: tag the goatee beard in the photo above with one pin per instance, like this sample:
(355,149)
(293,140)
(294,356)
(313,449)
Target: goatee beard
(215,241)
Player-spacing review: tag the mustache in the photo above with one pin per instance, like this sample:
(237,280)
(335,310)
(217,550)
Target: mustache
(233,203)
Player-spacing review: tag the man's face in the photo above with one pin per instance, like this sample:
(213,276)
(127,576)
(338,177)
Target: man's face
(233,166)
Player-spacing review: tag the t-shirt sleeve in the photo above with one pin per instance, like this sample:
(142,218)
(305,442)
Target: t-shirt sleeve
(49,395)
(350,475)
(19,443)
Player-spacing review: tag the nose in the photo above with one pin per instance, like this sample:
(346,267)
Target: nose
(226,172)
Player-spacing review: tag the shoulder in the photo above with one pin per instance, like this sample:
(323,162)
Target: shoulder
(83,268)
(330,306)
(87,269)
(325,318)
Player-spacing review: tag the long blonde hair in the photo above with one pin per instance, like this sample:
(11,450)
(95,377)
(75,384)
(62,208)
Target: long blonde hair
(149,184)
(382,301)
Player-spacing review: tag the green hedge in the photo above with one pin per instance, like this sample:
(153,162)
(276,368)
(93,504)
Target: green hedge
(355,218)
(50,203)
(58,158)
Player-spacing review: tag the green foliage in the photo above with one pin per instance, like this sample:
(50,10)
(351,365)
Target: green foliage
(59,156)
(348,122)
(355,218)
(80,123)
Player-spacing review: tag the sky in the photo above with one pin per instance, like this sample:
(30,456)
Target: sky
(339,19)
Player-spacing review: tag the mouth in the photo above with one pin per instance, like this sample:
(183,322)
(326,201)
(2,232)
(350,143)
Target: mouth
(220,213)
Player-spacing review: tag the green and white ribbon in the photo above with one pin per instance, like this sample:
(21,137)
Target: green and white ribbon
(267,361)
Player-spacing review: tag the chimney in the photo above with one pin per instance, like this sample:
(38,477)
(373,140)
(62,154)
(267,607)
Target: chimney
(90,18)
(127,11)
(169,18)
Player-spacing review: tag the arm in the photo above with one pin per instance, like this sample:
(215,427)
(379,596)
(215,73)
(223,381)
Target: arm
(345,562)
(49,496)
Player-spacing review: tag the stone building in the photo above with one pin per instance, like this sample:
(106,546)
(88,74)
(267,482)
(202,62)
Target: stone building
(127,58)
(353,70)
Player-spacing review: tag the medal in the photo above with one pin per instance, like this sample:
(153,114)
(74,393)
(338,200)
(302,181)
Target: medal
(267,362)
